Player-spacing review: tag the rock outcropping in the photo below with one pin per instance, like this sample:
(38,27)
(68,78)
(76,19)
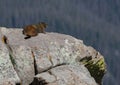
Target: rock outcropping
(48,59)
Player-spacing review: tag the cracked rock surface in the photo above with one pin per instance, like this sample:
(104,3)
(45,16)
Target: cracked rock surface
(67,75)
(47,59)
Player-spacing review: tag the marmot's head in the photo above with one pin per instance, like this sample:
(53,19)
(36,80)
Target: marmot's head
(42,24)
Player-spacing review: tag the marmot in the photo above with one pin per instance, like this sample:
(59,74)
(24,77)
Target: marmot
(33,30)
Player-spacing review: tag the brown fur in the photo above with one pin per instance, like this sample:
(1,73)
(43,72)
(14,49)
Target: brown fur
(33,30)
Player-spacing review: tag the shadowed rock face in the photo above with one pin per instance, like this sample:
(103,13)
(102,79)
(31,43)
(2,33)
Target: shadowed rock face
(48,59)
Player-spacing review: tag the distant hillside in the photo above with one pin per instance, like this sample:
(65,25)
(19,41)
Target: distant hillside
(96,22)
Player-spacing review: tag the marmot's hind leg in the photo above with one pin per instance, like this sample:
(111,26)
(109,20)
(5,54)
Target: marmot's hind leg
(27,37)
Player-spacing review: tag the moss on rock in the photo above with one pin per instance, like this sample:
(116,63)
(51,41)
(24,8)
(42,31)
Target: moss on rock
(97,68)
